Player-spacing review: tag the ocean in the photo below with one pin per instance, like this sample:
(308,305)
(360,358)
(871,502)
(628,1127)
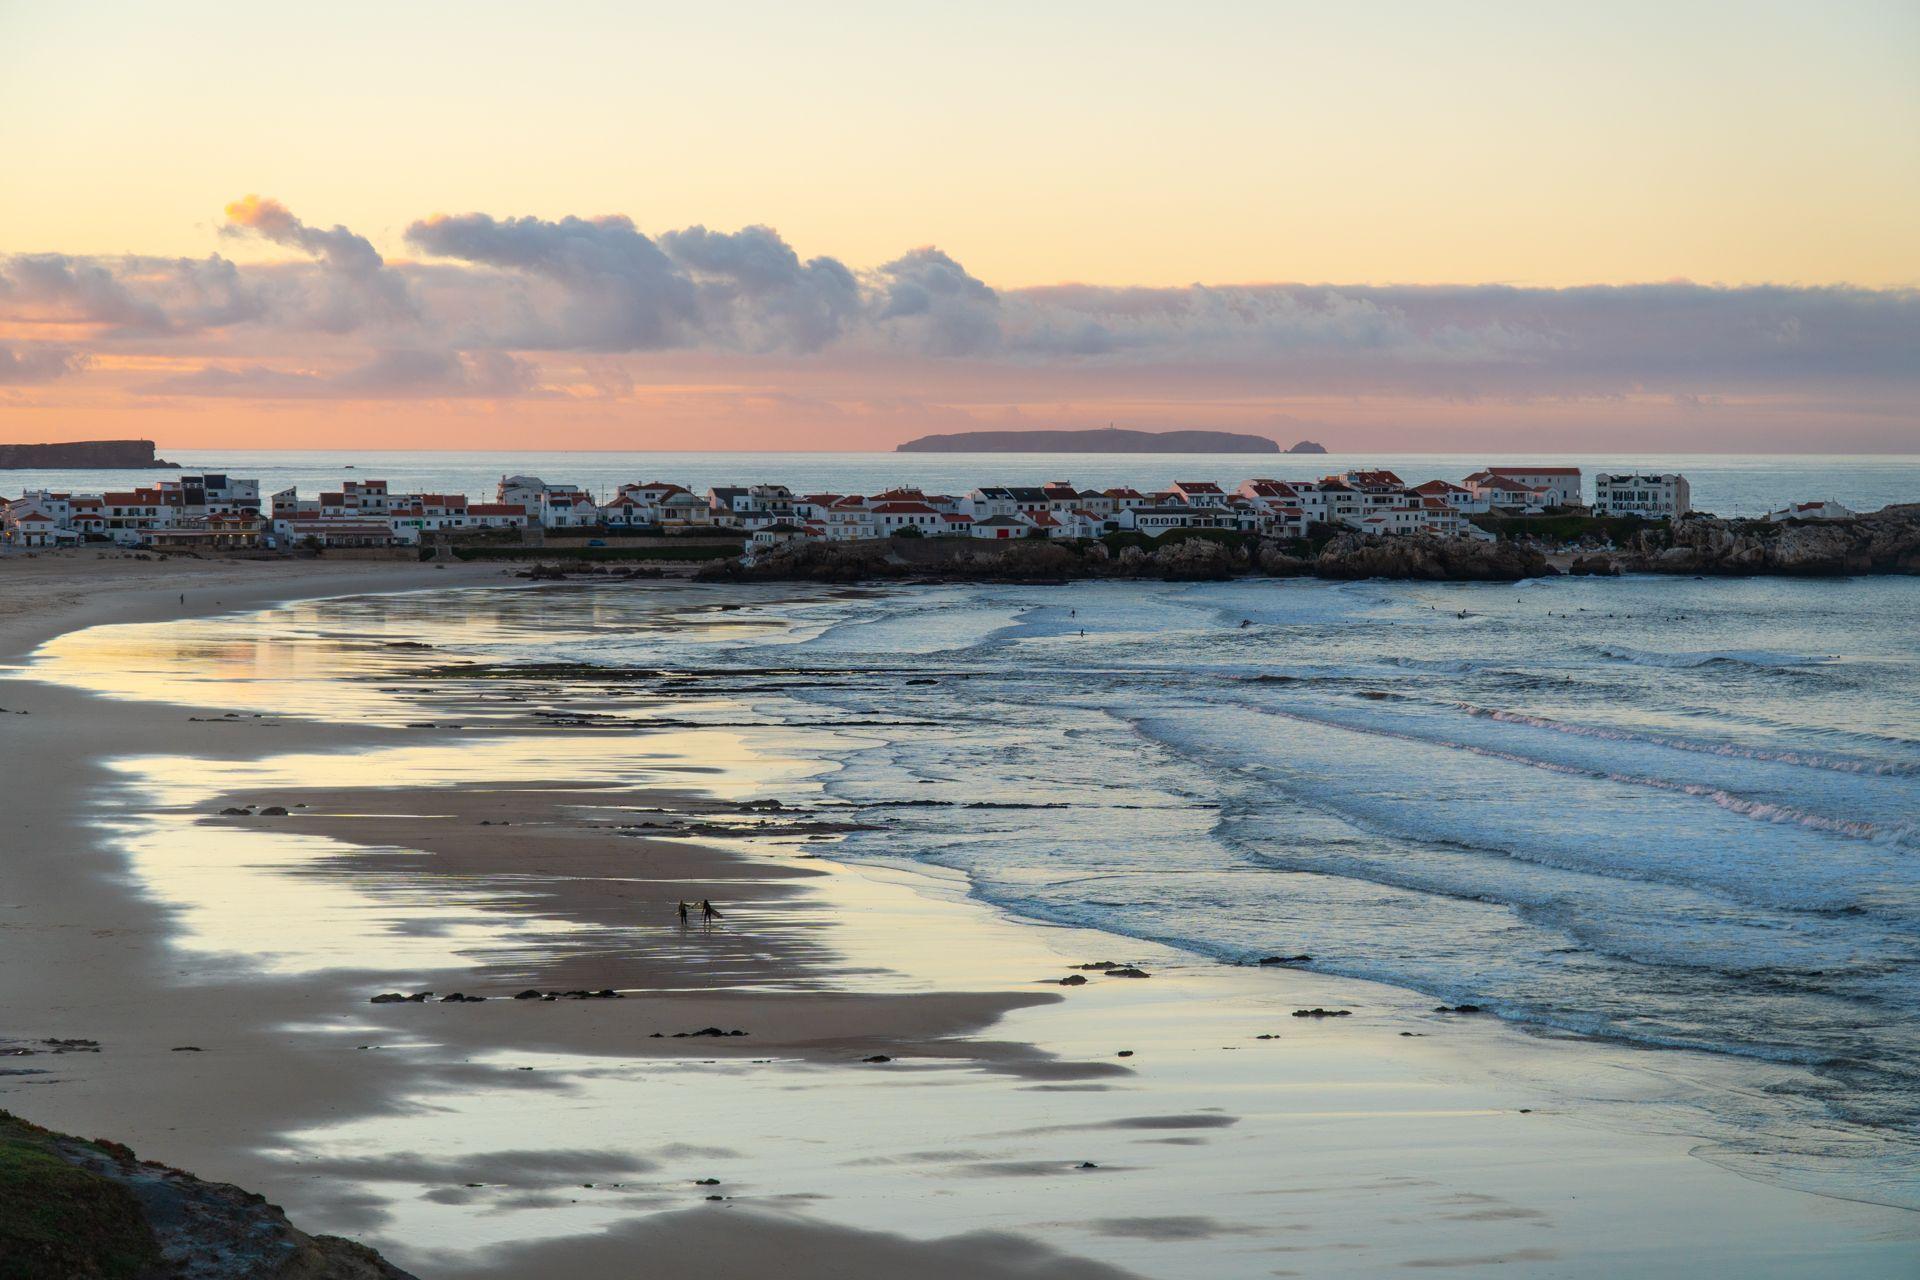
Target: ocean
(1725,484)
(1672,813)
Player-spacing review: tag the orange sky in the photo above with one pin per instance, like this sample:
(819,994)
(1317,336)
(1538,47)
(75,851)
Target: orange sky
(1773,150)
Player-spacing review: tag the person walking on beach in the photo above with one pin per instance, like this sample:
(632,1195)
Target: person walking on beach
(707,912)
(683,914)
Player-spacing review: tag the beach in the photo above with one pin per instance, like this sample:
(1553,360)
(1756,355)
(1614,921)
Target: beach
(917,1090)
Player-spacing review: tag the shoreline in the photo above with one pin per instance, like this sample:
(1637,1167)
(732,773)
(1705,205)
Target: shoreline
(1077,1033)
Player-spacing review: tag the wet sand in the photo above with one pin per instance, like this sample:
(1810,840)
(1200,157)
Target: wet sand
(533,1137)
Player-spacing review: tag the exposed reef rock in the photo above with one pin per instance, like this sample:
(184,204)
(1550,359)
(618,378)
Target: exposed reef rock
(1885,541)
(1354,555)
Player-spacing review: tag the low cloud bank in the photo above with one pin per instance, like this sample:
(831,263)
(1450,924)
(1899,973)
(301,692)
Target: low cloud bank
(492,307)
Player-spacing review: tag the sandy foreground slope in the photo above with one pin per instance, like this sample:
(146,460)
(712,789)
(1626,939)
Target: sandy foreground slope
(225,966)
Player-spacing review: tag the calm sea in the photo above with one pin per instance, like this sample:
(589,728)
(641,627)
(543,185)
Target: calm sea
(1728,485)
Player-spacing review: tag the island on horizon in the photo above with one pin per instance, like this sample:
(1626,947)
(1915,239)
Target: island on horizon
(80,455)
(1094,440)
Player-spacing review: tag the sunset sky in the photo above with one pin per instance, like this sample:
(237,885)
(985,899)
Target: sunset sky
(838,225)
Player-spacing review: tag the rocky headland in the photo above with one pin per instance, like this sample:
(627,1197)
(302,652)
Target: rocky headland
(1884,541)
(72,1207)
(82,455)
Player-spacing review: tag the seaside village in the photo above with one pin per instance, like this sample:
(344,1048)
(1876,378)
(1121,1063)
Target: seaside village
(213,512)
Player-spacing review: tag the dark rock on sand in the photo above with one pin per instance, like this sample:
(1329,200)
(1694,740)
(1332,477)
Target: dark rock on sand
(878,1057)
(1073,980)
(388,997)
(231,812)
(705,1031)
(1100,964)
(1322,1013)
(528,994)
(1286,959)
(58,1045)
(1456,1008)
(187,1048)
(274,811)
(1128,971)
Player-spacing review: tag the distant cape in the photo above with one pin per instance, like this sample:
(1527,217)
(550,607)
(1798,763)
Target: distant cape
(1098,440)
(78,454)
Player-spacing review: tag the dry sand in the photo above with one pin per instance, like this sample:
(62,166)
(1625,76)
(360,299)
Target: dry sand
(549,1138)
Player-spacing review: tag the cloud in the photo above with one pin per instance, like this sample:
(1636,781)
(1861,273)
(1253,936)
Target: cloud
(403,373)
(620,290)
(360,287)
(928,295)
(38,364)
(755,287)
(59,288)
(337,320)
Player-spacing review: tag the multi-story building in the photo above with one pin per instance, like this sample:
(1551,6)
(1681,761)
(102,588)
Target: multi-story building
(1656,496)
(1560,484)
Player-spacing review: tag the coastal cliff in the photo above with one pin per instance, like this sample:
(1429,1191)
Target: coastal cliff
(81,455)
(1099,440)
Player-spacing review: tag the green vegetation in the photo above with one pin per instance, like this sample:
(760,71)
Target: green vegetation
(60,1220)
(1566,528)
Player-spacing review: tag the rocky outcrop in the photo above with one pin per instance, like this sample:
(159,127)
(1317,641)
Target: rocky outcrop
(1019,560)
(1885,541)
(1308,446)
(1353,555)
(82,454)
(70,1207)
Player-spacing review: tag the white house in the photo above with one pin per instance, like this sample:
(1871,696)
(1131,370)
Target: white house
(1561,484)
(1811,511)
(131,516)
(898,517)
(1000,528)
(497,515)
(27,525)
(1459,497)
(1657,496)
(1508,493)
